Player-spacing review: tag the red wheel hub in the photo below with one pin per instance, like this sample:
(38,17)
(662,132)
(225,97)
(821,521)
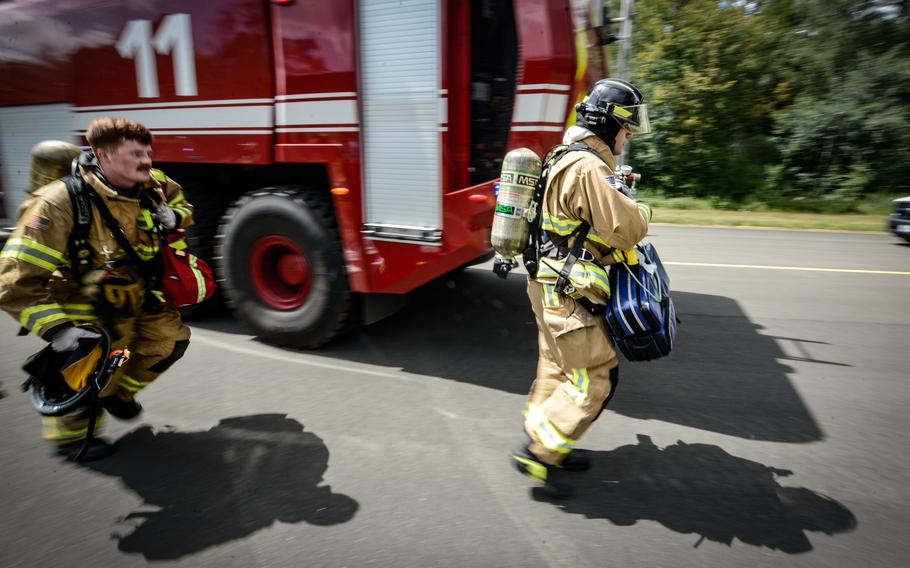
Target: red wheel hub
(280,272)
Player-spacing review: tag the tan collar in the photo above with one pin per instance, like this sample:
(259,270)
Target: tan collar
(109,192)
(602,150)
(101,187)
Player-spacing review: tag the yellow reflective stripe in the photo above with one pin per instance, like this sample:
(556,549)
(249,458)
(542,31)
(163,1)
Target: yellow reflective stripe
(581,380)
(158,175)
(81,312)
(46,320)
(549,435)
(145,247)
(52,429)
(567,226)
(582,275)
(535,469)
(144,220)
(550,299)
(34,253)
(145,252)
(200,280)
(183,211)
(179,198)
(34,318)
(132,385)
(179,244)
(645,210)
(10,252)
(29,243)
(559,226)
(578,388)
(594,236)
(621,111)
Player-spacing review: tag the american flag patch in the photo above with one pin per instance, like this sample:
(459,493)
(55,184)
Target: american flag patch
(37,222)
(611,180)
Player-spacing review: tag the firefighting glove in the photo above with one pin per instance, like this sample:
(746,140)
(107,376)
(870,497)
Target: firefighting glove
(166,217)
(68,339)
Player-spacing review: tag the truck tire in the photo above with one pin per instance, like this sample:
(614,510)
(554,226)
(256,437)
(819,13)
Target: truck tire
(279,263)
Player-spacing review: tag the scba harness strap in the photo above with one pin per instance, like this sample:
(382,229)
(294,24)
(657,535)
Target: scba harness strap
(552,245)
(82,197)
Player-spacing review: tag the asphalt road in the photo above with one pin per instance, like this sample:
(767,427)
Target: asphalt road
(775,435)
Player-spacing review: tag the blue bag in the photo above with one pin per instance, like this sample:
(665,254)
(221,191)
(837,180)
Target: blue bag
(641,317)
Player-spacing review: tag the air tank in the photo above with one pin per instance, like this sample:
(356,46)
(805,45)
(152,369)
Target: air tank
(50,160)
(514,211)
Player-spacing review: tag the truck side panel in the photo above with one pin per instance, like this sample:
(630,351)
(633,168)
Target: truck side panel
(198,75)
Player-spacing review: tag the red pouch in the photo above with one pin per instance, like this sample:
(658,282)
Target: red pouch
(186,279)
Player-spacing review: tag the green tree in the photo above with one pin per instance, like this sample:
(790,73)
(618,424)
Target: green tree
(774,97)
(705,67)
(847,132)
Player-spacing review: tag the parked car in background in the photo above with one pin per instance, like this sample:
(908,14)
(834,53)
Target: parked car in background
(900,218)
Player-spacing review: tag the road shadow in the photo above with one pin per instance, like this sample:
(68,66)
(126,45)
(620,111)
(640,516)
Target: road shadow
(701,489)
(723,376)
(202,489)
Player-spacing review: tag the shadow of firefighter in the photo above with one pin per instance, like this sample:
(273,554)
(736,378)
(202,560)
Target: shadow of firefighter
(203,489)
(701,489)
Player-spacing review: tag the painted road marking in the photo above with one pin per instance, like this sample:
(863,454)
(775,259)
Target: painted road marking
(210,338)
(803,268)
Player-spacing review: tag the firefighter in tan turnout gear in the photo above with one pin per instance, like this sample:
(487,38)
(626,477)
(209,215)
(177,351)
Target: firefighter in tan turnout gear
(38,287)
(577,371)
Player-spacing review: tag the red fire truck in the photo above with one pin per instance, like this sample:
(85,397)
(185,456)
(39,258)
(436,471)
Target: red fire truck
(339,153)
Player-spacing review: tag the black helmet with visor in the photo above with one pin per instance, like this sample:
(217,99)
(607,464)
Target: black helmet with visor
(610,105)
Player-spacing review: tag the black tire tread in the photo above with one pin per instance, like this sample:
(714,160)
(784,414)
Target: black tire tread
(321,207)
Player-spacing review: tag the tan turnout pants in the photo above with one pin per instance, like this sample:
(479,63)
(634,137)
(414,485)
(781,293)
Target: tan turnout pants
(573,373)
(154,343)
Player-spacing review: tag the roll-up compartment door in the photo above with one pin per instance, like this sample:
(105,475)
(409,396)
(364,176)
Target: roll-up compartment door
(403,110)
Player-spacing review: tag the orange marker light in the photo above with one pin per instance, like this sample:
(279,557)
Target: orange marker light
(477,198)
(340,191)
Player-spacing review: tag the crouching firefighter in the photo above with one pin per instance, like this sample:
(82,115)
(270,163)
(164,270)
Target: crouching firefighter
(584,223)
(84,254)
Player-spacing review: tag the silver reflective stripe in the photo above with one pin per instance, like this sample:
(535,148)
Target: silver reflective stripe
(18,249)
(35,317)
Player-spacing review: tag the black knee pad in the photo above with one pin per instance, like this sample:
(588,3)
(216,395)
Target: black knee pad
(614,383)
(176,354)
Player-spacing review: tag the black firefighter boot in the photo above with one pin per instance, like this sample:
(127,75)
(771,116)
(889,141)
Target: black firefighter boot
(97,449)
(576,460)
(121,408)
(549,476)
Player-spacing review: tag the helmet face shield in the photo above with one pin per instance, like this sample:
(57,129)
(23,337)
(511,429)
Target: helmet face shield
(635,116)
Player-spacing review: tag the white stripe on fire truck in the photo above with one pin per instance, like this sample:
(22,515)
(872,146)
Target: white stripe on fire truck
(544,87)
(189,118)
(204,132)
(325,96)
(316,112)
(151,105)
(537,128)
(320,129)
(540,107)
